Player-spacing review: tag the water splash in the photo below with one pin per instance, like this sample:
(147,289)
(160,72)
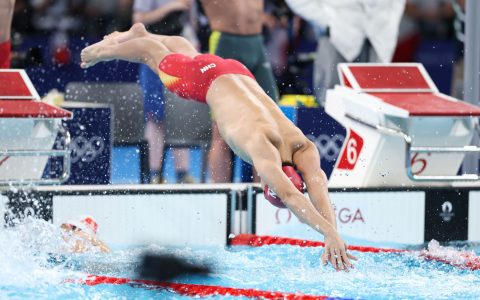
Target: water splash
(27,270)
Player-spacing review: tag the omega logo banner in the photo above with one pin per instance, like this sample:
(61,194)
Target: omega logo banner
(446,215)
(397,217)
(326,133)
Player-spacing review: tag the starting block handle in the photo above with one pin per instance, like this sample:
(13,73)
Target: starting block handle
(409,150)
(464,149)
(463,177)
(65,153)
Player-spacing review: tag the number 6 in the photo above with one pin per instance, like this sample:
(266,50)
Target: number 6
(352,151)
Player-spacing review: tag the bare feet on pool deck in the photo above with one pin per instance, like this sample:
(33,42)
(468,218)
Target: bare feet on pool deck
(137,30)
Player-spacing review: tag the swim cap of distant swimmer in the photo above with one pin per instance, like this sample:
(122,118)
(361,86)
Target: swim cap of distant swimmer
(294,177)
(84,223)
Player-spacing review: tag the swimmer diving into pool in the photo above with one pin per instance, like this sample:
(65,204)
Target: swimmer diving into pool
(249,121)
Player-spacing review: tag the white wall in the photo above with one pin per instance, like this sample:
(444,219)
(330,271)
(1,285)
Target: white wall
(474,216)
(162,219)
(396,217)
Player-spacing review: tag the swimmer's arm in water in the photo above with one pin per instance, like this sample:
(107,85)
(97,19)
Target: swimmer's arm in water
(307,161)
(267,162)
(86,241)
(100,245)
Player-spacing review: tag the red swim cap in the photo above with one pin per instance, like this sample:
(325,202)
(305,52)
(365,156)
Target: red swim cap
(294,177)
(84,223)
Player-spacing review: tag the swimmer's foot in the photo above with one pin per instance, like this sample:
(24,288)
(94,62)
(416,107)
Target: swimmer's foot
(137,30)
(96,53)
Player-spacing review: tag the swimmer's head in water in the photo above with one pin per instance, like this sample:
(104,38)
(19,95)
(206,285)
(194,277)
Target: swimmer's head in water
(294,177)
(84,223)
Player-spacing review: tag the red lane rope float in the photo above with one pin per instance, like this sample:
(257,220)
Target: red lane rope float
(258,241)
(467,261)
(199,290)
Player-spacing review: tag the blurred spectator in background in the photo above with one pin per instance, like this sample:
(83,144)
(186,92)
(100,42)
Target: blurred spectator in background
(349,31)
(279,31)
(165,17)
(22,17)
(6,14)
(58,19)
(58,15)
(423,19)
(237,34)
(107,16)
(457,88)
(290,42)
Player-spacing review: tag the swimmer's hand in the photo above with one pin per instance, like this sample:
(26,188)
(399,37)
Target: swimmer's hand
(336,252)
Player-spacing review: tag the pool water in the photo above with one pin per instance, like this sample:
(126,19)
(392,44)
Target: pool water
(27,271)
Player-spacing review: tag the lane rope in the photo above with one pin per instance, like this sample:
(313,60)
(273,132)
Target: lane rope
(265,240)
(462,260)
(200,290)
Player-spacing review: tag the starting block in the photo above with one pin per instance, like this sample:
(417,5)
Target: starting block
(400,130)
(28,130)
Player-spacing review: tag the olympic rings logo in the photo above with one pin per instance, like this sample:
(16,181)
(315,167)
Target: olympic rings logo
(86,150)
(328,146)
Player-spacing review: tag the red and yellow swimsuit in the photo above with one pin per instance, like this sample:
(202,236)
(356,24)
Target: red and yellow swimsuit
(191,77)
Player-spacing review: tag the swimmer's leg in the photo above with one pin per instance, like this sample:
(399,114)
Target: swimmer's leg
(139,50)
(175,44)
(137,30)
(6,15)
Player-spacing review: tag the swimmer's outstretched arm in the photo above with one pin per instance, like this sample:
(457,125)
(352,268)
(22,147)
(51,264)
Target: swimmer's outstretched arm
(307,162)
(266,159)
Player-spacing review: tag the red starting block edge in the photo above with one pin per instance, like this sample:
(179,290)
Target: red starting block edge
(15,84)
(20,100)
(382,77)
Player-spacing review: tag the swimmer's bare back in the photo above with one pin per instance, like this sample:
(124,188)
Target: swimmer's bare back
(242,17)
(244,114)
